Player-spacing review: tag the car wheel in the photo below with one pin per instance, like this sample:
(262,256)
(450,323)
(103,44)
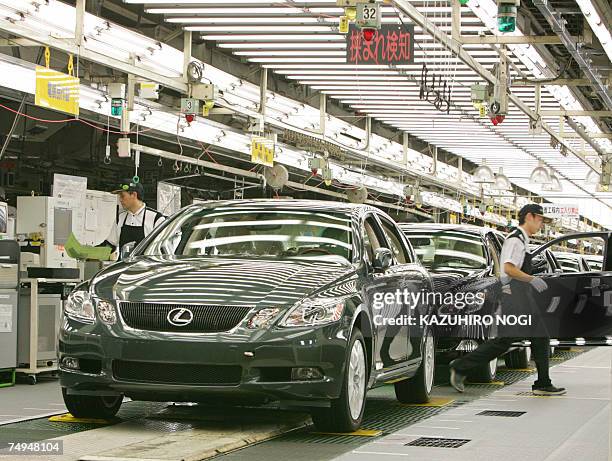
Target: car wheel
(92,406)
(484,373)
(346,413)
(518,358)
(418,388)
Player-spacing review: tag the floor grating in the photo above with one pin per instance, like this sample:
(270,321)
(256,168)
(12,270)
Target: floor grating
(507,414)
(437,442)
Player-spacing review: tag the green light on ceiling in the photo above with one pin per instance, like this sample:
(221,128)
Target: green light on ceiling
(506,18)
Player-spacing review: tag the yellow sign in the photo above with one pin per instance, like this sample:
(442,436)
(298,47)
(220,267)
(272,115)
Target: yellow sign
(482,111)
(57,91)
(344,25)
(262,151)
(206,108)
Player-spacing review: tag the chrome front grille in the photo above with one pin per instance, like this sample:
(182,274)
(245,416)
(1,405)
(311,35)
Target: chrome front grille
(205,318)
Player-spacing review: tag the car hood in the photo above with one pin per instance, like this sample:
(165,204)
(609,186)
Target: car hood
(219,281)
(445,279)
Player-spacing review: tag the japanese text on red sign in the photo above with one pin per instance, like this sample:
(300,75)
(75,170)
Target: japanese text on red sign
(389,45)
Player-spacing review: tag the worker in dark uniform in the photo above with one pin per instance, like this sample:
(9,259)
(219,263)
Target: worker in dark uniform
(137,220)
(516,282)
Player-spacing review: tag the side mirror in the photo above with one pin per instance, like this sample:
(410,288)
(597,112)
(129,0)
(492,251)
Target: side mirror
(127,249)
(382,259)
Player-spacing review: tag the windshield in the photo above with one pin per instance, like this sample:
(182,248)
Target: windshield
(440,250)
(253,232)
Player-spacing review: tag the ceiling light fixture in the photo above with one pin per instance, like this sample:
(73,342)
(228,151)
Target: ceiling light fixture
(502,183)
(483,174)
(540,174)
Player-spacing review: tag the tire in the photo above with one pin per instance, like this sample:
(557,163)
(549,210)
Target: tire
(92,406)
(346,412)
(418,388)
(518,358)
(484,374)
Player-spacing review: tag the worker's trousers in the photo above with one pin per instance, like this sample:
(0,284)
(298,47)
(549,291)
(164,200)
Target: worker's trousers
(487,351)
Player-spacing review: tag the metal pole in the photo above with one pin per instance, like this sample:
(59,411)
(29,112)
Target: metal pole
(322,113)
(263,91)
(186,53)
(10,133)
(78,27)
(456,21)
(406,140)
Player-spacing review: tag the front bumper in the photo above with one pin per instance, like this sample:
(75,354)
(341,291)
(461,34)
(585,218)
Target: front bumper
(159,366)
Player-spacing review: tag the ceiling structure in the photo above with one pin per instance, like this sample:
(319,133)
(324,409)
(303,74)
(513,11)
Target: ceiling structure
(300,40)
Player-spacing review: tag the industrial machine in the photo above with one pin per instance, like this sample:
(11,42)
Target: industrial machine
(43,226)
(9,285)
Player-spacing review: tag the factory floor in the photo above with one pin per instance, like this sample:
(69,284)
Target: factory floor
(516,426)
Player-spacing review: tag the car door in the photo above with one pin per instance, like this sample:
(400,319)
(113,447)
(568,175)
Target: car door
(380,293)
(577,307)
(413,282)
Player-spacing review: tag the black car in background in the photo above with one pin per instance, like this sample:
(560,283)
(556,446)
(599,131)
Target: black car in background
(571,262)
(595,262)
(265,299)
(464,258)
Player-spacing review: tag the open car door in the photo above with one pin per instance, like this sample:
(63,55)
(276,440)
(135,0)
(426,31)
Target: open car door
(577,307)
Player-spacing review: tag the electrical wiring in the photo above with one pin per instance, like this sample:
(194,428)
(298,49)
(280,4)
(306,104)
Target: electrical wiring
(68,120)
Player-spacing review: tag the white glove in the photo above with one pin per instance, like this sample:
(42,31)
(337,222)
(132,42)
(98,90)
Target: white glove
(539,284)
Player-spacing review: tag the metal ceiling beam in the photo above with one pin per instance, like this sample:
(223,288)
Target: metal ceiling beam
(510,40)
(553,82)
(576,113)
(558,26)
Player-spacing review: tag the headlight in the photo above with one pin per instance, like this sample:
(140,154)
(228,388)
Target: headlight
(79,306)
(314,312)
(106,312)
(262,318)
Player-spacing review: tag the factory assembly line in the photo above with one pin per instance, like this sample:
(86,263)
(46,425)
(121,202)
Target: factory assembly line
(343,230)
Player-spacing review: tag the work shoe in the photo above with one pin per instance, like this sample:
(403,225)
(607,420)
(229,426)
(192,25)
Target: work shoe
(547,390)
(456,379)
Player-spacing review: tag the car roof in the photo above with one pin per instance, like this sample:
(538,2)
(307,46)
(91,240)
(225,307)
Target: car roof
(352,209)
(468,228)
(567,254)
(594,257)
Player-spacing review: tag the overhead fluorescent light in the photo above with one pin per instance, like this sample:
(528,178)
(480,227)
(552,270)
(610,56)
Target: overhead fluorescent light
(247,20)
(295,45)
(275,37)
(260,28)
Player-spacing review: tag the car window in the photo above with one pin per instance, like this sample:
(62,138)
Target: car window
(441,249)
(568,263)
(591,247)
(234,231)
(394,239)
(494,252)
(372,238)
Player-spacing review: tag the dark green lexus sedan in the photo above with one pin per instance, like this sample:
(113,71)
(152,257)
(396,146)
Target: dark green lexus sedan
(267,299)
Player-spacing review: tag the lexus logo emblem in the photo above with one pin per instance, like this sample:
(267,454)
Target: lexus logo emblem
(180,317)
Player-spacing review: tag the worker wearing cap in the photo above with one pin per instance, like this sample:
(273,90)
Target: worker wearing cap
(516,279)
(137,220)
